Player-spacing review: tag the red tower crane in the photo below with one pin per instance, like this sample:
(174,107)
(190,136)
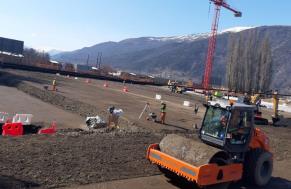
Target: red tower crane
(212,40)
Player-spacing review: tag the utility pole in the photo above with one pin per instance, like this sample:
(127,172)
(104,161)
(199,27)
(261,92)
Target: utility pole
(97,60)
(100,61)
(88,60)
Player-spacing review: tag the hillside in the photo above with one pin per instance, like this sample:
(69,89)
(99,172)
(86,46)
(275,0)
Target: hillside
(184,56)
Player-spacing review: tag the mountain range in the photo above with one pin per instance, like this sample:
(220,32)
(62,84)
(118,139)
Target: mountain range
(183,57)
(54,52)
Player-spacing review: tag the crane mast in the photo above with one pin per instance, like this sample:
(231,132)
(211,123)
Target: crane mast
(212,40)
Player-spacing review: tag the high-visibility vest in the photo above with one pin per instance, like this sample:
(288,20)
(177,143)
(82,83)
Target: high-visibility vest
(163,108)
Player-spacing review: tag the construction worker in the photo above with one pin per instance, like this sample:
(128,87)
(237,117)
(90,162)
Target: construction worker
(163,112)
(54,84)
(152,116)
(275,117)
(223,123)
(247,98)
(196,108)
(208,95)
(112,118)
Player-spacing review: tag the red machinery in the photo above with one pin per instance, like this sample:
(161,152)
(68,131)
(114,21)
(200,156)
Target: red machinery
(212,40)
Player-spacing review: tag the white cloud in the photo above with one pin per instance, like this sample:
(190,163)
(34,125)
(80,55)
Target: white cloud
(33,34)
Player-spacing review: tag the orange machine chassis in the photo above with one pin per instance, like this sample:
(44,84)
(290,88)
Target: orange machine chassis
(203,175)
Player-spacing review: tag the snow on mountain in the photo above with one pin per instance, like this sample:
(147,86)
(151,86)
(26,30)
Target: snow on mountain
(194,37)
(182,38)
(236,29)
(53,52)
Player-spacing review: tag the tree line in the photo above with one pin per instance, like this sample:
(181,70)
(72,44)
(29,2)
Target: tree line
(249,63)
(32,56)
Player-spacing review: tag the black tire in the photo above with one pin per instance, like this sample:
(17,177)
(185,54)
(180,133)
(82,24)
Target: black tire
(220,158)
(258,167)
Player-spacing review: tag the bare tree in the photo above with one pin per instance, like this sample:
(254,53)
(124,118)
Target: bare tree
(33,57)
(249,63)
(266,65)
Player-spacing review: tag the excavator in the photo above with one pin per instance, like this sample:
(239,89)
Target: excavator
(239,151)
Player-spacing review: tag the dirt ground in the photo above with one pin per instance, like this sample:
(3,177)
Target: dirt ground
(75,158)
(132,102)
(14,101)
(72,158)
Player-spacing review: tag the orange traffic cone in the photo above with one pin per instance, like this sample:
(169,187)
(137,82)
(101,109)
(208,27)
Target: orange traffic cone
(88,80)
(125,89)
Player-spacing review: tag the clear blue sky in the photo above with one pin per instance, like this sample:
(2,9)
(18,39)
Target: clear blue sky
(73,24)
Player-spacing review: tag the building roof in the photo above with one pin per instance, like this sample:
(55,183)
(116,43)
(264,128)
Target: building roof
(54,62)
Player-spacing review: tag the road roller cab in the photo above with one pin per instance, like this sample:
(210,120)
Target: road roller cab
(231,128)
(228,127)
(243,150)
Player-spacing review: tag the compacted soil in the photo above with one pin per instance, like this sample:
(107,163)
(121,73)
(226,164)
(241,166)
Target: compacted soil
(73,157)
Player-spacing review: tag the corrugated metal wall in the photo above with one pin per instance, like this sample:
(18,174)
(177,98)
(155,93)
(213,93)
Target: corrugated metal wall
(11,45)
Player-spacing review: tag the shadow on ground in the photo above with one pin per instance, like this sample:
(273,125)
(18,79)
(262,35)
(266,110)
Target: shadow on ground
(10,80)
(283,122)
(275,183)
(177,127)
(12,183)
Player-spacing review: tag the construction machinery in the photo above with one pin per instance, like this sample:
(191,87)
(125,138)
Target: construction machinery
(229,148)
(277,120)
(276,117)
(256,101)
(180,87)
(212,40)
